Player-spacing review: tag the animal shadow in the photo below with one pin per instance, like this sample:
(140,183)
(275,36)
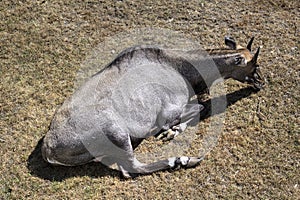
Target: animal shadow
(231,99)
(40,168)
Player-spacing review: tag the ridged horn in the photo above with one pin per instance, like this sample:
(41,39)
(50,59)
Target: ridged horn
(254,59)
(250,44)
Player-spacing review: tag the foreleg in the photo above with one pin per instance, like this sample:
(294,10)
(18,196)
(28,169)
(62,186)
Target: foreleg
(189,113)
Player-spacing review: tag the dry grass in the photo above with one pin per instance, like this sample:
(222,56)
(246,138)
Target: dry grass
(42,44)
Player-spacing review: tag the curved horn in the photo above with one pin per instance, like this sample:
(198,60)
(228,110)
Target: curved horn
(254,59)
(250,44)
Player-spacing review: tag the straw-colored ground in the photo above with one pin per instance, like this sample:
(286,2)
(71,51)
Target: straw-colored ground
(43,43)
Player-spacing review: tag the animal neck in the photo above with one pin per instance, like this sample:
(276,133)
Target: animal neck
(224,60)
(205,67)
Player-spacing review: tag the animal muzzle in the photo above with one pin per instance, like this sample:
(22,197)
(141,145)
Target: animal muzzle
(255,79)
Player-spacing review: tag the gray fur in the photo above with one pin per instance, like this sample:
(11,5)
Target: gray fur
(144,91)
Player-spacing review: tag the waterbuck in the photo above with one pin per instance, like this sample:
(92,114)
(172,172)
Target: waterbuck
(144,91)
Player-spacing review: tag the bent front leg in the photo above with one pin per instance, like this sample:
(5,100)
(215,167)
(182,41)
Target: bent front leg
(190,113)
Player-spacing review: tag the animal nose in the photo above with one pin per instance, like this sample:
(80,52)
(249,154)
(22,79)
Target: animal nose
(255,79)
(258,81)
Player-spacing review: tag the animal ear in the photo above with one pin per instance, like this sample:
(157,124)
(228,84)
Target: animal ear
(229,41)
(254,59)
(250,44)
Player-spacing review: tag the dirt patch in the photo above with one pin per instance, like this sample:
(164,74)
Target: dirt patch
(43,44)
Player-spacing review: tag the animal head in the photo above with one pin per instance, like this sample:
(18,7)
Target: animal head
(243,63)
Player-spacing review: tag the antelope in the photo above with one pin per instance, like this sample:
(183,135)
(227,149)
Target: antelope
(144,91)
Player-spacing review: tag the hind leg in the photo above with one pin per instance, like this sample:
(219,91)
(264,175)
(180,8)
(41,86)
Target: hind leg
(121,152)
(131,167)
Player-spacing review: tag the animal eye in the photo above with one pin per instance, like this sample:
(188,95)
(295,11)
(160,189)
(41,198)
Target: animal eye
(238,60)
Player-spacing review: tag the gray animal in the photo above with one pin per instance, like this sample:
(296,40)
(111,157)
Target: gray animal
(145,91)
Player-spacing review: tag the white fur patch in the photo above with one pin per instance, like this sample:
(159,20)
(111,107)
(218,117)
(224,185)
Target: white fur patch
(172,161)
(184,160)
(55,162)
(98,159)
